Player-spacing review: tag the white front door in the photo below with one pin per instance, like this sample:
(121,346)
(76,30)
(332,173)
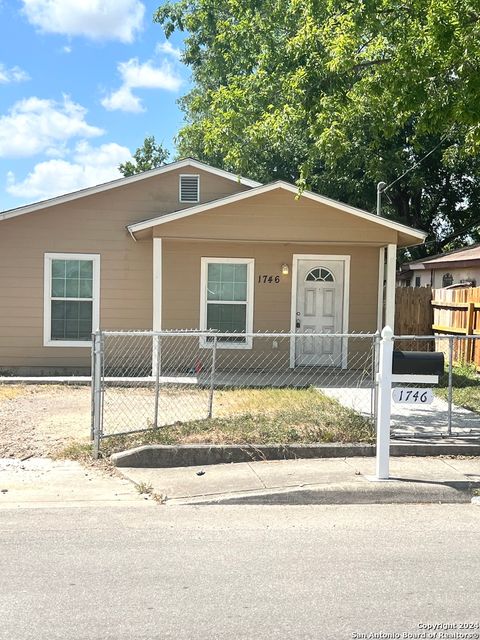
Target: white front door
(320,288)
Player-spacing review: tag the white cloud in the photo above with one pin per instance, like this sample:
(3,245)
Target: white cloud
(67,49)
(95,19)
(123,100)
(14,74)
(89,166)
(168,49)
(137,75)
(34,125)
(146,76)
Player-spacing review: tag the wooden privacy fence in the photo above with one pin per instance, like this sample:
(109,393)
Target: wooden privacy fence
(457,311)
(413,311)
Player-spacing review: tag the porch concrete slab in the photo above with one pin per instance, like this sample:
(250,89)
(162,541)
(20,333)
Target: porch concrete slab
(179,482)
(326,481)
(42,482)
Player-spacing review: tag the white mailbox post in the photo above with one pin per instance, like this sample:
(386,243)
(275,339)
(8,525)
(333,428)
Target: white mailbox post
(384,406)
(402,366)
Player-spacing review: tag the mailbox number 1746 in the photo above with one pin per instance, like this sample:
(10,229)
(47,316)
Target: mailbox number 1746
(410,395)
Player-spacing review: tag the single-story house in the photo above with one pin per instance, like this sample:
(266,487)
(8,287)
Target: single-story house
(458,267)
(189,246)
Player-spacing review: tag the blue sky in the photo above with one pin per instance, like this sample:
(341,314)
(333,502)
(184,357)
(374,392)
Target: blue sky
(82,82)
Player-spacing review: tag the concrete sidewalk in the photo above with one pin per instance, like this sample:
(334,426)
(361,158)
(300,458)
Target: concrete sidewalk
(42,482)
(319,481)
(409,419)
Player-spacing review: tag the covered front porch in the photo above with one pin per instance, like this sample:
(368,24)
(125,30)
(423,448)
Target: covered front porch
(267,260)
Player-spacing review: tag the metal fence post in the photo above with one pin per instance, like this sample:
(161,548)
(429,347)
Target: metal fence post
(384,404)
(92,394)
(374,365)
(97,393)
(450,383)
(157,380)
(212,378)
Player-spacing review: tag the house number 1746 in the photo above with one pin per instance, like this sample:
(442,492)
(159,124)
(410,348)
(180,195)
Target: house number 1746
(269,279)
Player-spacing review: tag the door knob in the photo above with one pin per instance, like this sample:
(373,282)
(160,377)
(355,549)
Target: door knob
(297,324)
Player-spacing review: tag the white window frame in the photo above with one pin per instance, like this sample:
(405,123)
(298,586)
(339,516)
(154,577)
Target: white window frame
(188,175)
(47,297)
(250,262)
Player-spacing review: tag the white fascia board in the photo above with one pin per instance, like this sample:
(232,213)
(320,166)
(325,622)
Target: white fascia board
(184,213)
(121,182)
(412,266)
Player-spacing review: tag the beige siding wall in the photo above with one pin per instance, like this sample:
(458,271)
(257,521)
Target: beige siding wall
(278,216)
(181,285)
(272,302)
(94,224)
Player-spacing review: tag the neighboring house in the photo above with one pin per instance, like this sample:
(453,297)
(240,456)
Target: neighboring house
(188,246)
(461,266)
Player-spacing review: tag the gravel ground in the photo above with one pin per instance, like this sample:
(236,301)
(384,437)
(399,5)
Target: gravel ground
(37,420)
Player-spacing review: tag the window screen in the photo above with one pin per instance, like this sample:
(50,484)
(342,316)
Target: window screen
(71,299)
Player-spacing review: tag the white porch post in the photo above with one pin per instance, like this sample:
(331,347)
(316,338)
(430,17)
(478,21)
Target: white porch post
(157,284)
(390,286)
(157,302)
(381,279)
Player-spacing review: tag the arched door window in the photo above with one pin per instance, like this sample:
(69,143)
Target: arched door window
(319,274)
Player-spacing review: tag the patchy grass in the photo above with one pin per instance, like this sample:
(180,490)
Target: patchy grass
(12,391)
(466,387)
(260,416)
(144,488)
(81,451)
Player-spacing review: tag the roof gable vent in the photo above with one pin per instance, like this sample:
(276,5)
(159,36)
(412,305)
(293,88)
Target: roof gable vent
(189,188)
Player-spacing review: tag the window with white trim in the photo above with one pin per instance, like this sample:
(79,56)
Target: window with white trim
(189,188)
(71,298)
(227,300)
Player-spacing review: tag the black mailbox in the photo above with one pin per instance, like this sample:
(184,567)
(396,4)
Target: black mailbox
(420,363)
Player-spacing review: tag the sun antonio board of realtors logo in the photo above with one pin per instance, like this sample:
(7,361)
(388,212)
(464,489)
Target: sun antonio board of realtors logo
(445,633)
(379,635)
(389,635)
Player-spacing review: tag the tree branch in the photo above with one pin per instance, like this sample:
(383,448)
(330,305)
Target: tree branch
(371,63)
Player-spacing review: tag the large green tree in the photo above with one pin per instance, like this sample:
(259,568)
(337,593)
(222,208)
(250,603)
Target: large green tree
(149,156)
(338,95)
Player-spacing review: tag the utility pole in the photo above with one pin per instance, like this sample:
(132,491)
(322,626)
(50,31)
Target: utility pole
(380,188)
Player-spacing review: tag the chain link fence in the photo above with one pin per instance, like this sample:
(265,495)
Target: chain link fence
(455,409)
(145,380)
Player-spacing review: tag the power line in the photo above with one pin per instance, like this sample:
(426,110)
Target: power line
(462,232)
(443,138)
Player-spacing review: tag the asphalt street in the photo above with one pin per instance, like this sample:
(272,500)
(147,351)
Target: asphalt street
(144,571)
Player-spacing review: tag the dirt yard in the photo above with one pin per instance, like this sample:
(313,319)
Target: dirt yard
(38,420)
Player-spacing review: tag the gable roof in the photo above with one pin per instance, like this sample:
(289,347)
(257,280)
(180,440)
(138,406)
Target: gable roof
(464,254)
(286,186)
(121,182)
(459,255)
